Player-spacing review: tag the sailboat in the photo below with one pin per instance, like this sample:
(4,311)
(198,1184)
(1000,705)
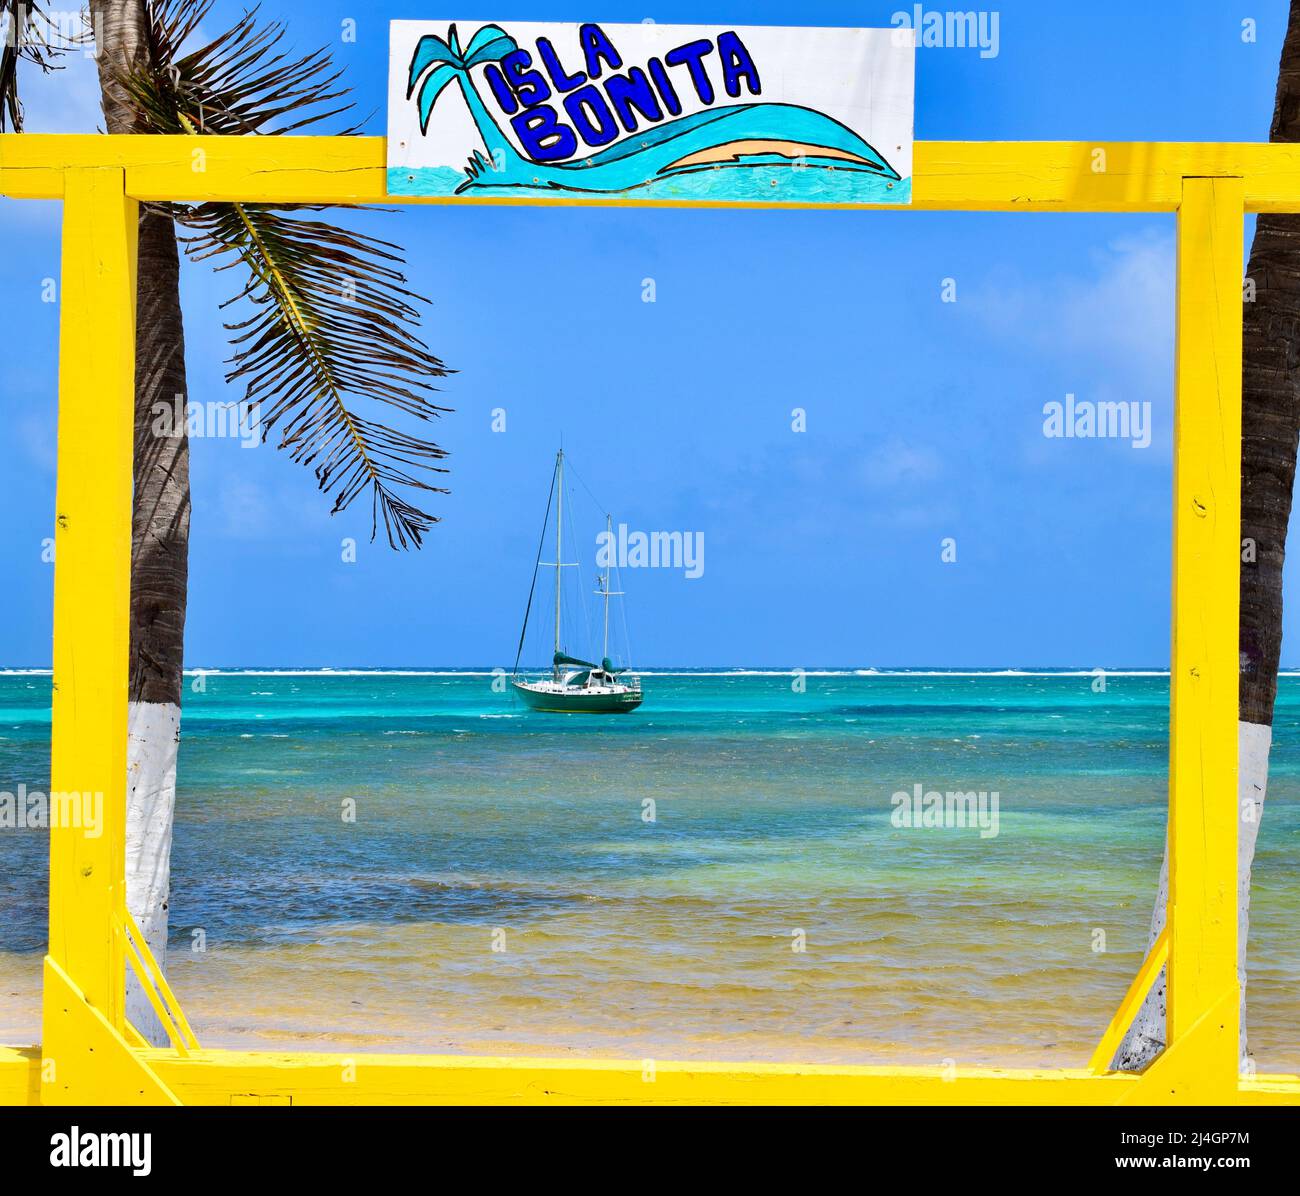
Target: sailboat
(575,686)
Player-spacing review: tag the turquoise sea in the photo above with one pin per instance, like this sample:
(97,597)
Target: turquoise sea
(640,886)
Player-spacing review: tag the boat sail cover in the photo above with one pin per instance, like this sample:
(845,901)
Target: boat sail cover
(606,665)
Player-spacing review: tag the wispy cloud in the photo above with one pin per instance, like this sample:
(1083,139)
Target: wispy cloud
(1121,310)
(898,463)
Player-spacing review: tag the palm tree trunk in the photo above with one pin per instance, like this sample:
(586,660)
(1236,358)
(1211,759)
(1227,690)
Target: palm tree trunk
(1270,425)
(160,530)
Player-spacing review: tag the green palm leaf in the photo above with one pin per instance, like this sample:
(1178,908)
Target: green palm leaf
(330,323)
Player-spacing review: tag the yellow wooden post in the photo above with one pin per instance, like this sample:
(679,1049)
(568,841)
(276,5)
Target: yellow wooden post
(85,1057)
(92,580)
(1202,912)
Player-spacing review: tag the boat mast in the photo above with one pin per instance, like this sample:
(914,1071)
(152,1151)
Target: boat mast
(604,591)
(604,655)
(559,554)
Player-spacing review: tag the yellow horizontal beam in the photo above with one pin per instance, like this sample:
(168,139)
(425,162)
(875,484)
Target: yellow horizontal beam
(1049,176)
(20,1076)
(214,1077)
(208,1077)
(247,1077)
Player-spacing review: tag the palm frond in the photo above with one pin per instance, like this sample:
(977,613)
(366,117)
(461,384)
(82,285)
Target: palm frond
(29,33)
(332,321)
(329,324)
(240,82)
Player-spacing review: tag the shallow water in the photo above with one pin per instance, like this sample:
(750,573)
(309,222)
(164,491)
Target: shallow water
(481,826)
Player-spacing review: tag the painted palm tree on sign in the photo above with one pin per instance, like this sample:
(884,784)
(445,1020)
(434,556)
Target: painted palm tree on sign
(326,338)
(1270,426)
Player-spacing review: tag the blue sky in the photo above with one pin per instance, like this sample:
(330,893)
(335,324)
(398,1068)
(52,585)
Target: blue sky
(924,418)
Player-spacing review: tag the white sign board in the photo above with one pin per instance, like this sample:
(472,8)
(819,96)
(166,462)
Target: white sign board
(685,113)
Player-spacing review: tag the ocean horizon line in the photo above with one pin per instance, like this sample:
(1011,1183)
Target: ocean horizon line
(663,671)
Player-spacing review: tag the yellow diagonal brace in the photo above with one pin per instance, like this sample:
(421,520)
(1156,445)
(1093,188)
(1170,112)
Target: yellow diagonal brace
(156,988)
(1186,1072)
(1156,959)
(84,1060)
(141,969)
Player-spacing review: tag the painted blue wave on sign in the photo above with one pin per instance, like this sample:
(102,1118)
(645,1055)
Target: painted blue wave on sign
(763,137)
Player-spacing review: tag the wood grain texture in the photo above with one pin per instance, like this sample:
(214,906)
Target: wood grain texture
(1202,910)
(1011,176)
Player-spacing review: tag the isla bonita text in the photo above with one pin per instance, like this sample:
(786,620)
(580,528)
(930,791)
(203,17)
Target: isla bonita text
(528,89)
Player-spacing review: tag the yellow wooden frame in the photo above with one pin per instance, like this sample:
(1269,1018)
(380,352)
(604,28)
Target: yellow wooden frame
(89,1053)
